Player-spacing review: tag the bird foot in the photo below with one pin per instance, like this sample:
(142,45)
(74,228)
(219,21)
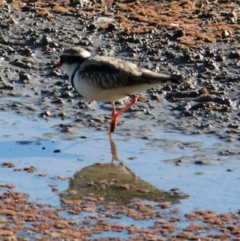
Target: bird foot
(113,124)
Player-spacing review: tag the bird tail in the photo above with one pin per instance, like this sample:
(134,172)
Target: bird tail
(176,79)
(164,78)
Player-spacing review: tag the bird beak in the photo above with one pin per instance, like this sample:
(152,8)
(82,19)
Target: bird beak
(57,64)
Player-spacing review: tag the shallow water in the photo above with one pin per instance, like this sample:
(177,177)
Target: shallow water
(209,179)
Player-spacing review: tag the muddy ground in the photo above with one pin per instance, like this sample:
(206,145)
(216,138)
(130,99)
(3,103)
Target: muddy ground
(199,40)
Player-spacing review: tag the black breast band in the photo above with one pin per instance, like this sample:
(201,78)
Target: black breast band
(73,75)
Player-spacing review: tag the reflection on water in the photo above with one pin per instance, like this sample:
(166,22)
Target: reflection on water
(201,166)
(114,150)
(115,182)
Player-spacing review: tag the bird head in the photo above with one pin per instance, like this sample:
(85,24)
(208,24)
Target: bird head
(72,57)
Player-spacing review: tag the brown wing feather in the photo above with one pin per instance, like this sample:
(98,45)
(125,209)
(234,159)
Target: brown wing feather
(109,73)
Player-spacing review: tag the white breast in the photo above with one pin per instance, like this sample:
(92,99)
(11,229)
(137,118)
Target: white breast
(86,88)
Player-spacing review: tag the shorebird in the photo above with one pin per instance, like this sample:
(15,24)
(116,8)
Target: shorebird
(108,79)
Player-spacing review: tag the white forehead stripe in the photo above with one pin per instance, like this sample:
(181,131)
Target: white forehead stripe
(76,52)
(85,54)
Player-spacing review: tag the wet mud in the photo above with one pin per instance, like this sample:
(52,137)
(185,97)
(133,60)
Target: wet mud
(199,40)
(176,187)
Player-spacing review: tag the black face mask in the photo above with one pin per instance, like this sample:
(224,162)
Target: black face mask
(66,59)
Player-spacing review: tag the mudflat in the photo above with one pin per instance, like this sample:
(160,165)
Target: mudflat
(199,40)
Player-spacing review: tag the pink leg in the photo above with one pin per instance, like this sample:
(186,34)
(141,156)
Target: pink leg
(113,109)
(115,115)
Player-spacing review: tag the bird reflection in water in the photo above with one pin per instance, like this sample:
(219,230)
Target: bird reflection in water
(114,183)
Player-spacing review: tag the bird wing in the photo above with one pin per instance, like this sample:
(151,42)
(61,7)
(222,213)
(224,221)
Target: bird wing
(110,73)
